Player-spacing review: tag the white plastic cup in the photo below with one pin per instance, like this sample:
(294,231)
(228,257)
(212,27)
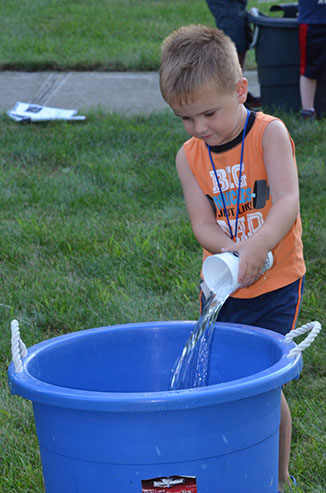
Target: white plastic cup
(222,269)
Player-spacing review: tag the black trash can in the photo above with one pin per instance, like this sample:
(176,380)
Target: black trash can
(276,43)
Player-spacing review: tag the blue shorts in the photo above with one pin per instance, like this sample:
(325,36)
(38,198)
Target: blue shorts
(231,17)
(277,310)
(312,39)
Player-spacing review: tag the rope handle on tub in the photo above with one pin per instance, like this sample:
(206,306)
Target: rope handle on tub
(313,327)
(18,348)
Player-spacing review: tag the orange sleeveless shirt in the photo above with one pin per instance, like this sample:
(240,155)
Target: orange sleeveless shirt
(255,202)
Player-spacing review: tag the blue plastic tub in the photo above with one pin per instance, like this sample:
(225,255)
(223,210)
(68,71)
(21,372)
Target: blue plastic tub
(105,420)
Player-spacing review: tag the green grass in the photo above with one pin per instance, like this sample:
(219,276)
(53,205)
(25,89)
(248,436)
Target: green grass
(94,34)
(94,231)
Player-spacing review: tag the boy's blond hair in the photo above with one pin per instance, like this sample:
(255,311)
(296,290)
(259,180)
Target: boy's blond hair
(194,56)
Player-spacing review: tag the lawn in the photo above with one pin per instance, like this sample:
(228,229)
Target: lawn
(94,35)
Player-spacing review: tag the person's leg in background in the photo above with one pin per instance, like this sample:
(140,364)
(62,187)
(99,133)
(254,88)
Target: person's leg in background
(231,17)
(307,92)
(312,42)
(307,85)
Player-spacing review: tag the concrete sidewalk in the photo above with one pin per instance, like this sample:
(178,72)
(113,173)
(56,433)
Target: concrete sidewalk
(124,92)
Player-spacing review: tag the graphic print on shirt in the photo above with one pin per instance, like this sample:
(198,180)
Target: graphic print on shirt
(250,200)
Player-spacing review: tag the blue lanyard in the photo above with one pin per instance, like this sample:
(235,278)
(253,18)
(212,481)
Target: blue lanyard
(233,237)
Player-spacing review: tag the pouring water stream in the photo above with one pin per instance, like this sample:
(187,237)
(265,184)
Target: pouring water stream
(221,275)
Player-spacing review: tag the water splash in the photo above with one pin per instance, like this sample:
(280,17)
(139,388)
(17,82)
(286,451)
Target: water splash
(191,369)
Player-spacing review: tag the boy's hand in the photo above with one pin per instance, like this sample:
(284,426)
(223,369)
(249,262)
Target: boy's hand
(252,256)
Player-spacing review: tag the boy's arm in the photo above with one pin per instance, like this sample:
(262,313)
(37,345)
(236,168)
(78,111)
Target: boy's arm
(202,217)
(283,183)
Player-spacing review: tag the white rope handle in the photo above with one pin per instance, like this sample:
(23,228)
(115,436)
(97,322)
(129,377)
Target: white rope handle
(313,327)
(18,348)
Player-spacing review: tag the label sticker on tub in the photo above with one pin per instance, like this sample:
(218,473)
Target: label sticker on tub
(170,484)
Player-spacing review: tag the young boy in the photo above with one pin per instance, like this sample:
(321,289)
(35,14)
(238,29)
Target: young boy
(241,191)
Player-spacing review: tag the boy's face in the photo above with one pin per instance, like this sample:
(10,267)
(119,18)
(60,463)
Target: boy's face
(216,117)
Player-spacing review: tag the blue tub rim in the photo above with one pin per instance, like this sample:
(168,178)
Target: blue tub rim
(31,388)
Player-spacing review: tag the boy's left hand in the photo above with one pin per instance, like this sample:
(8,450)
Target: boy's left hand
(252,256)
